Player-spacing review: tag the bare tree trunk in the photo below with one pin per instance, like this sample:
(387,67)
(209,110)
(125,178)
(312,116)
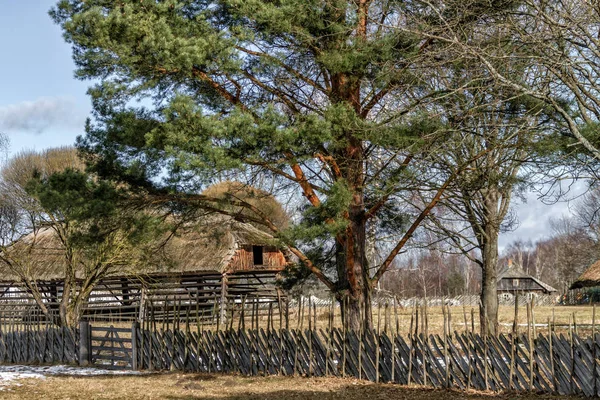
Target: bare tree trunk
(488,312)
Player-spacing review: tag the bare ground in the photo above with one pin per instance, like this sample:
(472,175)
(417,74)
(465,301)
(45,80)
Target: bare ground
(178,386)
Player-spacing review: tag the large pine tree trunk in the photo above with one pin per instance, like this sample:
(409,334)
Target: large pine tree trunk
(488,312)
(353,271)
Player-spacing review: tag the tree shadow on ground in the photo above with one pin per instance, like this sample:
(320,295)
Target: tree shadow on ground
(204,386)
(351,391)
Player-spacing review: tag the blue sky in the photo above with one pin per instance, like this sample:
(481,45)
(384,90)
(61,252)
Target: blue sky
(42,105)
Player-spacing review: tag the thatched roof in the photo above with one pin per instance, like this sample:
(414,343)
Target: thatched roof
(589,278)
(513,271)
(206,246)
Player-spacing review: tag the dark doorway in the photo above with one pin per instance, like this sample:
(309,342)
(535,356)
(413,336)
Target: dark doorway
(257,252)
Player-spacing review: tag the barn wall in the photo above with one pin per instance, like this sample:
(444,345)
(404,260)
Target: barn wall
(243,259)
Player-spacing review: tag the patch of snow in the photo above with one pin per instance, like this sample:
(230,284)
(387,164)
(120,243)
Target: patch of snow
(11,374)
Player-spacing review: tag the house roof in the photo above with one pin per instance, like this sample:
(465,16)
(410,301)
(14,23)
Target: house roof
(589,278)
(513,271)
(205,246)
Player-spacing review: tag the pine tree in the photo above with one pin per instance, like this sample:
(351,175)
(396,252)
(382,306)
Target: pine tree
(325,96)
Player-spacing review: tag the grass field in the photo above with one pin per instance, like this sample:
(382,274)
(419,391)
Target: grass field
(576,317)
(177,386)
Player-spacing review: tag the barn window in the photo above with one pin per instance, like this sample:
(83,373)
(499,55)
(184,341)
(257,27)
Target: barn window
(257,253)
(515,282)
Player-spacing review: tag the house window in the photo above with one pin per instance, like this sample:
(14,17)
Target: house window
(515,282)
(257,255)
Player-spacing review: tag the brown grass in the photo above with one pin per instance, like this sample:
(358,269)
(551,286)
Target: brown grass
(561,316)
(177,386)
(460,319)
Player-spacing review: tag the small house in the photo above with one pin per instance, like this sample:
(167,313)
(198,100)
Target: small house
(512,280)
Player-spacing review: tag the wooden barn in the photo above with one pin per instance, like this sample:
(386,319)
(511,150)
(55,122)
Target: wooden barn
(209,265)
(512,279)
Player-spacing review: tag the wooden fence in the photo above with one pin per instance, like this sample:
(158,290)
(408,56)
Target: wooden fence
(549,364)
(39,345)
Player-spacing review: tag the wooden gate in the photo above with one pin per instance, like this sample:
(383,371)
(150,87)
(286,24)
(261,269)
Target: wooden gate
(111,347)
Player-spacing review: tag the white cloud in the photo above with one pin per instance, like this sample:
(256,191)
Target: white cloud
(534,217)
(40,115)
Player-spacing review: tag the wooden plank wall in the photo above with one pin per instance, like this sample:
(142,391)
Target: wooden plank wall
(243,259)
(124,298)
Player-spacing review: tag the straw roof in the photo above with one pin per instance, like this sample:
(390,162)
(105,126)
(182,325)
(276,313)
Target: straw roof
(206,246)
(513,271)
(589,278)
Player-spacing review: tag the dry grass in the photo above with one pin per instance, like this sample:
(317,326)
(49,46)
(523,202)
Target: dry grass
(461,317)
(177,386)
(561,316)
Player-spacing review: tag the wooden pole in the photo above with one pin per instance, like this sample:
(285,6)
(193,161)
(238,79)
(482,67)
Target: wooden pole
(242,322)
(446,359)
(533,318)
(472,320)
(531,350)
(135,327)
(411,349)
(513,343)
(344,332)
(424,344)
(360,344)
(552,368)
(287,313)
(396,313)
(394,340)
(280,310)
(485,354)
(594,355)
(329,331)
(450,331)
(387,318)
(468,343)
(310,339)
(572,381)
(85,344)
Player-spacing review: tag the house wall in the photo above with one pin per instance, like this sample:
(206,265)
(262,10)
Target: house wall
(243,259)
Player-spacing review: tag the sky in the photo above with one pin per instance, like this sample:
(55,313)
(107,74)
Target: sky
(42,105)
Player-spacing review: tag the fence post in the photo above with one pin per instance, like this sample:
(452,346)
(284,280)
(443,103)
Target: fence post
(223,304)
(135,326)
(85,344)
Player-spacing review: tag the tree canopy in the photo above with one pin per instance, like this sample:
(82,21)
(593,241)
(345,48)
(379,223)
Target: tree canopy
(327,98)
